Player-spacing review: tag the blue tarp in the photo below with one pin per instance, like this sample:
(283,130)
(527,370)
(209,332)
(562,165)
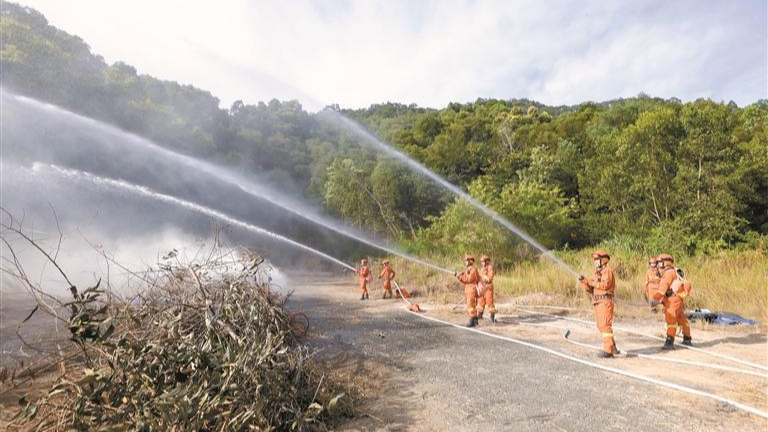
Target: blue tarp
(719,318)
(727,318)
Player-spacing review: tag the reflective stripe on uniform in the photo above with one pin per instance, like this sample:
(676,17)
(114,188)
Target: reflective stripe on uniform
(669,326)
(607,335)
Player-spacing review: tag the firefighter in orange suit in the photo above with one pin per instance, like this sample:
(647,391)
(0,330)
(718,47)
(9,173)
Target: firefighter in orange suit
(470,277)
(486,289)
(651,279)
(672,291)
(387,274)
(363,277)
(601,286)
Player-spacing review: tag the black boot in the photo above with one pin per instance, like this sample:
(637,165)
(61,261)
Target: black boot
(362,296)
(603,354)
(493,317)
(472,322)
(687,341)
(669,343)
(479,315)
(367,296)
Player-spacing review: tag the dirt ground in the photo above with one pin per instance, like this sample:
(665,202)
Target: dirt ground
(40,337)
(418,375)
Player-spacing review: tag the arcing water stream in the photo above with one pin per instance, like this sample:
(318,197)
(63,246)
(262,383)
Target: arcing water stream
(219,173)
(357,129)
(76,175)
(260,191)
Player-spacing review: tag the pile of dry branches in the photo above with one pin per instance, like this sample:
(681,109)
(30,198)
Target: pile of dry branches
(205,347)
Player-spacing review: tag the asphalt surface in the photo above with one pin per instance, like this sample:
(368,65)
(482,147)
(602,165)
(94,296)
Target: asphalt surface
(429,376)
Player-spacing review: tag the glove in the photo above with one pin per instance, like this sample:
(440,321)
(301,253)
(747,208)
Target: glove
(455,274)
(581,278)
(654,303)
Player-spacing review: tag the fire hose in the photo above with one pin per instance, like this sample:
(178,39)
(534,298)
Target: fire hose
(626,330)
(567,333)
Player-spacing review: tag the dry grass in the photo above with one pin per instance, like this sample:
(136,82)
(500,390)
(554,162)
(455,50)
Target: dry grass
(733,281)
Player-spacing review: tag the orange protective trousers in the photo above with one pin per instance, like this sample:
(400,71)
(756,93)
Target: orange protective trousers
(469,278)
(486,281)
(363,287)
(674,315)
(604,321)
(486,299)
(470,294)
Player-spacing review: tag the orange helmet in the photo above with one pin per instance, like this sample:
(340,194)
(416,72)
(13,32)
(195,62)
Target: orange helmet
(469,257)
(485,258)
(386,262)
(666,257)
(602,255)
(652,260)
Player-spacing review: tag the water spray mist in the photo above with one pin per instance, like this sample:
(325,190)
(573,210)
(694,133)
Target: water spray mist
(143,191)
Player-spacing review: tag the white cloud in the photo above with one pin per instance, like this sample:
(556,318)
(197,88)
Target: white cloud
(431,53)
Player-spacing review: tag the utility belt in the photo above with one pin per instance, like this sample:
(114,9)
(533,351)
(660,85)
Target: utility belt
(670,293)
(602,297)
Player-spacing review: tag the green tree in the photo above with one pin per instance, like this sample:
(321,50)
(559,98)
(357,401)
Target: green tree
(347,194)
(707,172)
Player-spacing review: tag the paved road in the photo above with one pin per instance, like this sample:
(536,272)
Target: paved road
(426,376)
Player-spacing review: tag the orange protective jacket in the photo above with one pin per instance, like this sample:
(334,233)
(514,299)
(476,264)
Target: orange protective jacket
(668,277)
(362,276)
(602,282)
(651,281)
(387,273)
(671,282)
(486,277)
(470,277)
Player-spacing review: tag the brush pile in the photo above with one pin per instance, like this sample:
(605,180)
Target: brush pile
(204,348)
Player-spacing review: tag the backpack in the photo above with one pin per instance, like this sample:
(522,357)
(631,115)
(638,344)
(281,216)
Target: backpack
(681,286)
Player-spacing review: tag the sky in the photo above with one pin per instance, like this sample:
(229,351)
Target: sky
(357,53)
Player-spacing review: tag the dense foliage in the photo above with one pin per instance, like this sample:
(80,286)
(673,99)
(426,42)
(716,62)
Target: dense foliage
(687,177)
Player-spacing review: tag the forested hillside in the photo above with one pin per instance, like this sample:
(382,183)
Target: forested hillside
(656,174)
